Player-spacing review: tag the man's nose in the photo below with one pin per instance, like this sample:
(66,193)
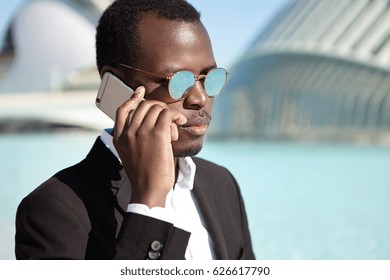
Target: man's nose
(197,99)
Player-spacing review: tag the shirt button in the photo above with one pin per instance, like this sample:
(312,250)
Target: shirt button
(153,255)
(156,245)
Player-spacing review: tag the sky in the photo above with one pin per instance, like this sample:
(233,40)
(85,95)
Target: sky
(232,24)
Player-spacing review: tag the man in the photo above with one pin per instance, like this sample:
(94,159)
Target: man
(139,194)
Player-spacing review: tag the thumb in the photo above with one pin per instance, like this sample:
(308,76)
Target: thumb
(139,93)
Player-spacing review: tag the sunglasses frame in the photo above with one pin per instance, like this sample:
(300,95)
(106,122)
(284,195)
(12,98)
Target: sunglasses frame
(169,78)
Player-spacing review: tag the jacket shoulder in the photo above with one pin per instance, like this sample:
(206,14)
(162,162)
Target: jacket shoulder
(209,169)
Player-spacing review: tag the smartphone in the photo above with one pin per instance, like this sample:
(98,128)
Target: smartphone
(112,94)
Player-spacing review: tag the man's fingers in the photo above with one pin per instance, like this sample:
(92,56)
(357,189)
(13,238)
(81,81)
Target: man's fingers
(149,114)
(174,132)
(144,110)
(171,119)
(124,111)
(177,120)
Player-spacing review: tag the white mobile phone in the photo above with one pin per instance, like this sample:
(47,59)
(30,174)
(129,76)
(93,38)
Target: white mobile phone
(112,94)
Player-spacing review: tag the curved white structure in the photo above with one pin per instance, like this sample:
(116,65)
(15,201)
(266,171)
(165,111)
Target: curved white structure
(320,70)
(52,41)
(52,78)
(356,30)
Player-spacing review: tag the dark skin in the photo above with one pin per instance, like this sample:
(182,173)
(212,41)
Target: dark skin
(160,129)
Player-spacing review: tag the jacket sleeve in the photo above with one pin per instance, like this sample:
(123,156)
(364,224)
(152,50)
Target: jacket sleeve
(247,253)
(158,239)
(247,249)
(48,229)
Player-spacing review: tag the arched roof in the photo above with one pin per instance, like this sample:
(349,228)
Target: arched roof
(50,41)
(320,70)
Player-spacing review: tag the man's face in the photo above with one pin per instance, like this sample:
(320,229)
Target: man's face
(168,46)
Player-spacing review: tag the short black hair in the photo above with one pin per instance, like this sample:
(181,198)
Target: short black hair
(117,31)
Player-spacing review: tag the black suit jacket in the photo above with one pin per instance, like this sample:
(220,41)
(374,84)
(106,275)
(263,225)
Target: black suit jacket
(80,213)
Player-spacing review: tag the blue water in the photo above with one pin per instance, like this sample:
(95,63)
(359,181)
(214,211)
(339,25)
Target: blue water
(304,201)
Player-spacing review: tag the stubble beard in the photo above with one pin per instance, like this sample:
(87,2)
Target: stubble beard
(188,151)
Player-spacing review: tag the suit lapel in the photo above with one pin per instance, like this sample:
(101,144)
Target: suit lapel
(112,173)
(210,216)
(121,190)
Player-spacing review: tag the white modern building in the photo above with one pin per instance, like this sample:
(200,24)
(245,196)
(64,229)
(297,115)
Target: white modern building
(320,70)
(49,44)
(48,73)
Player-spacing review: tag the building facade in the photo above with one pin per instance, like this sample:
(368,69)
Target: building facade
(320,70)
(50,46)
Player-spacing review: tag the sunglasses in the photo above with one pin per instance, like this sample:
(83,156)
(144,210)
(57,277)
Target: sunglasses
(180,83)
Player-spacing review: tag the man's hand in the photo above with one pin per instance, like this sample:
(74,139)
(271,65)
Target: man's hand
(143,133)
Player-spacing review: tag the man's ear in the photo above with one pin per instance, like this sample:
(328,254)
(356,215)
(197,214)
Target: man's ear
(113,70)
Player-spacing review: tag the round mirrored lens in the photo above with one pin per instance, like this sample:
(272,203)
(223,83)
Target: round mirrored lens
(180,83)
(215,80)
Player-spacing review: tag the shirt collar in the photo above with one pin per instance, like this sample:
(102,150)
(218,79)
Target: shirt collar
(106,138)
(187,167)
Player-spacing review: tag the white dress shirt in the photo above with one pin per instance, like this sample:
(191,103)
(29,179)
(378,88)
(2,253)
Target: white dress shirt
(181,208)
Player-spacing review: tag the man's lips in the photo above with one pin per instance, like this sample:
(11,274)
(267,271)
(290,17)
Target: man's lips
(197,122)
(197,127)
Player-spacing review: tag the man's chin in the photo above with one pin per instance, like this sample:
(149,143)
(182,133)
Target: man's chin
(187,151)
